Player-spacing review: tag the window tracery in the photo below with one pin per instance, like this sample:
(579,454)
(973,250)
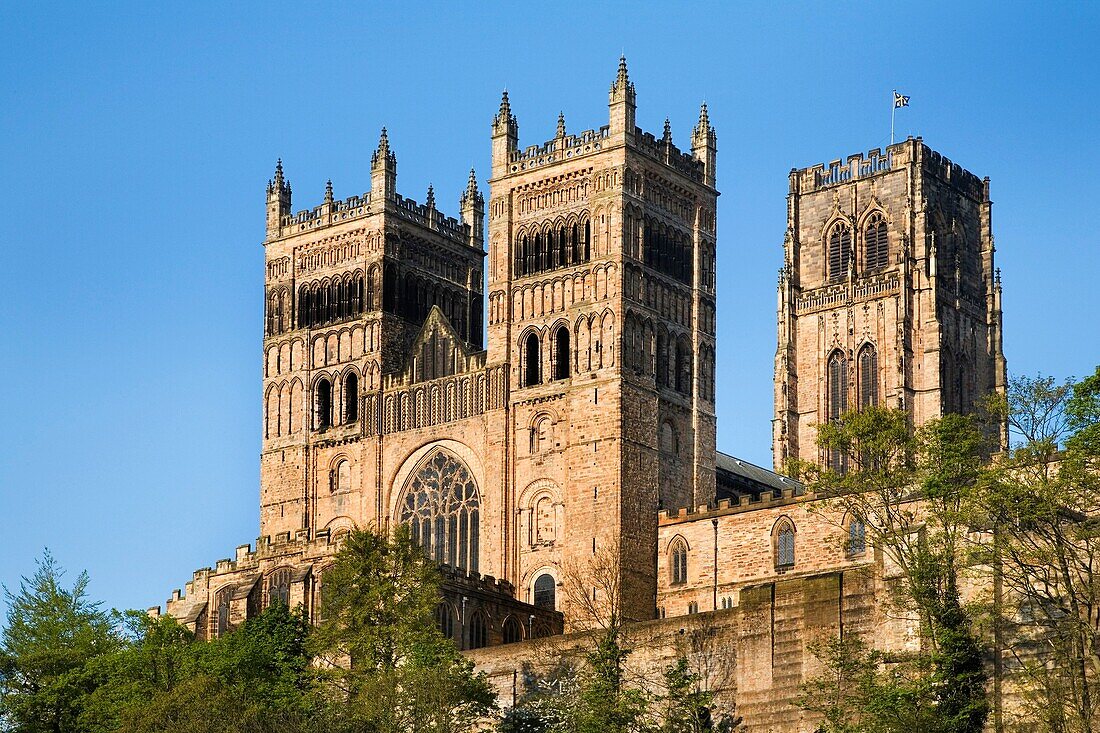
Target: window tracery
(441,506)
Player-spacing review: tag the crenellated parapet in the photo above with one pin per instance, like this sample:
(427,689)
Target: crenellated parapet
(796,493)
(663,151)
(562,148)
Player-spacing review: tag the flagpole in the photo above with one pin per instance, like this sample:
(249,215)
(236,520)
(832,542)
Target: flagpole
(893,107)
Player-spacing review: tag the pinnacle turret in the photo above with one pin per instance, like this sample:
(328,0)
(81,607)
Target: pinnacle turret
(622,102)
(328,192)
(704,144)
(561,124)
(430,200)
(383,155)
(667,137)
(471,196)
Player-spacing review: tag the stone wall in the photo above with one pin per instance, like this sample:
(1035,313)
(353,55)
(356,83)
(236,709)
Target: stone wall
(754,656)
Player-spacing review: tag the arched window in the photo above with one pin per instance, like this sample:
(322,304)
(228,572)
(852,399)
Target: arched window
(351,397)
(857,536)
(784,546)
(840,251)
(322,405)
(678,562)
(341,476)
(876,246)
(445,619)
(561,353)
(545,591)
(683,366)
(837,395)
(221,612)
(512,631)
(441,507)
(531,360)
(521,247)
(278,587)
(540,434)
(587,241)
(868,377)
(479,630)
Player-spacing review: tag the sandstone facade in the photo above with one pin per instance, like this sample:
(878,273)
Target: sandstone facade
(566,411)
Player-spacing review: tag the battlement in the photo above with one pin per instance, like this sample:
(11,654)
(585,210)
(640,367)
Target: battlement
(878,161)
(558,149)
(747,503)
(363,205)
(663,150)
(471,581)
(953,173)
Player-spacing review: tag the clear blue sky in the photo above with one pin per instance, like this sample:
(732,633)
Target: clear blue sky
(135,144)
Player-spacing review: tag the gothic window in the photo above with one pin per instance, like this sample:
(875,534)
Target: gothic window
(341,476)
(868,377)
(840,246)
(561,353)
(445,619)
(322,405)
(784,545)
(876,246)
(512,631)
(351,397)
(441,507)
(662,359)
(678,562)
(837,395)
(545,591)
(221,611)
(857,536)
(587,241)
(479,630)
(278,587)
(531,360)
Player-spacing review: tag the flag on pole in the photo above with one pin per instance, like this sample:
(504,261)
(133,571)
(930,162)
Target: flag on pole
(900,100)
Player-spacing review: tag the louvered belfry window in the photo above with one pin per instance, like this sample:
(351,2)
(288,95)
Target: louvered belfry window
(838,403)
(876,247)
(868,377)
(838,385)
(840,250)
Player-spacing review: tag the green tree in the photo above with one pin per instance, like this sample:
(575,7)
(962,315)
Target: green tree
(379,646)
(1043,499)
(51,636)
(912,489)
(686,708)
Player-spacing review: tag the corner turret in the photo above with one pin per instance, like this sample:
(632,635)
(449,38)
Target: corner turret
(278,200)
(505,136)
(622,103)
(472,206)
(704,145)
(383,171)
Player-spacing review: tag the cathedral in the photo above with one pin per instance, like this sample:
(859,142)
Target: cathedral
(527,403)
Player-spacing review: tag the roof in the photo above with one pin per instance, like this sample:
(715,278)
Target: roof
(736,477)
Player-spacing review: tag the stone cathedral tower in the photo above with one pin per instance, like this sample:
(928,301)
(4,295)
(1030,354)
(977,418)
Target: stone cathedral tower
(601,298)
(888,293)
(348,288)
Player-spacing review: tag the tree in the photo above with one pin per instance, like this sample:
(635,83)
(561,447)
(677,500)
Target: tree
(51,635)
(911,489)
(1043,500)
(379,646)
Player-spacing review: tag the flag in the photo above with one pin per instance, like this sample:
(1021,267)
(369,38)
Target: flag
(900,100)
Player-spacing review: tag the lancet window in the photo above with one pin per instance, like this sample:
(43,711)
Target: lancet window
(840,251)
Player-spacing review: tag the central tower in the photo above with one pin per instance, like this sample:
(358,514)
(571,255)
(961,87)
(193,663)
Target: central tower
(601,299)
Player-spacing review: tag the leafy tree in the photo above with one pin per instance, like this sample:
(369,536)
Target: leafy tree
(912,489)
(1042,500)
(51,636)
(686,708)
(379,645)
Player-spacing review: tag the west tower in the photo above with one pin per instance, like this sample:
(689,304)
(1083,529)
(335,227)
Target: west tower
(888,294)
(602,300)
(349,285)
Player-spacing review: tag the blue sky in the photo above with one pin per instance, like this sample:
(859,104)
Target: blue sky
(136,141)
